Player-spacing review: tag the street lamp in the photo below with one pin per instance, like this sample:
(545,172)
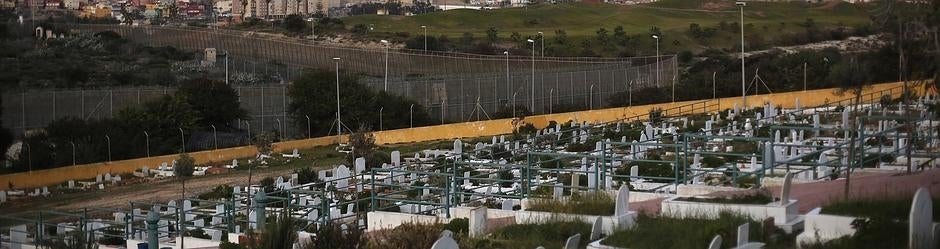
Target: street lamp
(73,153)
(339,120)
(215,138)
(109,147)
(313,27)
(514,103)
(425,37)
(532,104)
(508,79)
(542,41)
(743,88)
(147,140)
(411,116)
(182,141)
(550,92)
(380,117)
(591,98)
(248,123)
(386,64)
(280,132)
(657,59)
(308,125)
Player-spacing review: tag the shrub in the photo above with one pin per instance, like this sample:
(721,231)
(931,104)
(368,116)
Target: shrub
(695,232)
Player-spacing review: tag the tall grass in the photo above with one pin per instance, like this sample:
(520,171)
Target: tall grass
(898,208)
(678,233)
(552,234)
(590,204)
(760,197)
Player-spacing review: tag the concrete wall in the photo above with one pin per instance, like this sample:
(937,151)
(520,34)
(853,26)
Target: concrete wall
(781,214)
(824,227)
(379,220)
(48,177)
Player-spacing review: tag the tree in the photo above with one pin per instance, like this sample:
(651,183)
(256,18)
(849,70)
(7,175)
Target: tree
(363,144)
(561,37)
(214,101)
(696,30)
(491,34)
(262,143)
(294,23)
(185,165)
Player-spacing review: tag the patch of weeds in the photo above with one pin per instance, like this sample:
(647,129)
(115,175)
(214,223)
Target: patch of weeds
(760,197)
(694,232)
(590,204)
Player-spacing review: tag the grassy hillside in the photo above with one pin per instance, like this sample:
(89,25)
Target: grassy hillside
(673,17)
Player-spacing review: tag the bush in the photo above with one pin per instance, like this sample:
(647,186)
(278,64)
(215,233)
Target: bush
(695,232)
(185,165)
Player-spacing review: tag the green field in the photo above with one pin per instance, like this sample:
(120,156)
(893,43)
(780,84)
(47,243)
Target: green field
(581,20)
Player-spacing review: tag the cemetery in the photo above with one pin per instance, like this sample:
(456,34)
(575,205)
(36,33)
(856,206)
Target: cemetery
(714,176)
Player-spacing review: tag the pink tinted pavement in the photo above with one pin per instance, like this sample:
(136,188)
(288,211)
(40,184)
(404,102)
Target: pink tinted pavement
(863,185)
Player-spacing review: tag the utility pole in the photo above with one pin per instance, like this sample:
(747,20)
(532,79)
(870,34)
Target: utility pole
(743,87)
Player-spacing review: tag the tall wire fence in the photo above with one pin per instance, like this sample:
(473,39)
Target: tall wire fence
(451,86)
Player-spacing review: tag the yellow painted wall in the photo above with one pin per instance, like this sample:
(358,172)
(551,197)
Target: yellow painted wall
(48,177)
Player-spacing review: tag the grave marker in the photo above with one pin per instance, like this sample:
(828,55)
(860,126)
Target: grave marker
(921,234)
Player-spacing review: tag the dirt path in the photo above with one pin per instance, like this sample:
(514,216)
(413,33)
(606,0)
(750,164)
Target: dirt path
(864,185)
(156,191)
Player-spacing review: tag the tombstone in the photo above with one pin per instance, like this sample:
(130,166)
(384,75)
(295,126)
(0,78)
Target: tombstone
(446,241)
(313,215)
(622,206)
(634,172)
(360,165)
(199,223)
(592,177)
(575,181)
(458,147)
(478,218)
(215,235)
(573,241)
(119,217)
(322,174)
(216,217)
(596,229)
(466,179)
(341,174)
(743,231)
(507,204)
(279,181)
(396,158)
(350,208)
(921,234)
(558,191)
(785,190)
(163,227)
(716,242)
(45,190)
(98,179)
(3,196)
(18,236)
(609,181)
(845,118)
(100,186)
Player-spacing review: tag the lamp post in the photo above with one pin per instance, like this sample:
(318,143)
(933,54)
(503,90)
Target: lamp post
(313,27)
(591,98)
(714,91)
(425,37)
(743,88)
(550,92)
(514,103)
(308,125)
(339,120)
(411,116)
(380,117)
(147,140)
(508,79)
(542,41)
(280,132)
(106,137)
(215,138)
(532,84)
(386,64)
(657,59)
(182,141)
(73,153)
(249,130)
(29,156)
